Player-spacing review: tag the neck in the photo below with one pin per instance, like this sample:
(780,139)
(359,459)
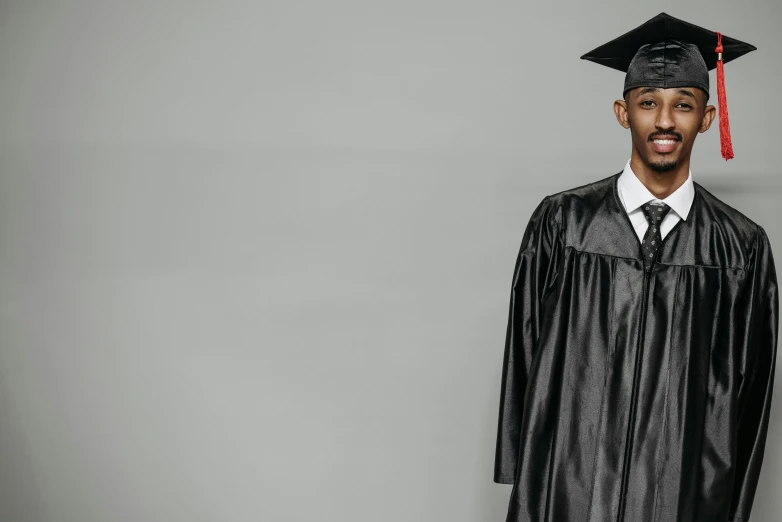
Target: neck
(661,184)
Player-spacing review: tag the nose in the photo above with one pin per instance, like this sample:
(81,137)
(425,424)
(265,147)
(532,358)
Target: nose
(665,118)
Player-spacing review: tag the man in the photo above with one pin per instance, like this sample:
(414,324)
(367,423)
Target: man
(641,342)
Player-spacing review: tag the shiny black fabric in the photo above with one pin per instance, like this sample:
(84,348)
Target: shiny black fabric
(666,52)
(630,395)
(667,64)
(619,53)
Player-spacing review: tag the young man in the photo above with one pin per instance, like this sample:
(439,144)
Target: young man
(641,342)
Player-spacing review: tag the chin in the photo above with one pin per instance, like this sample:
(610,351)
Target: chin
(661,166)
(662,163)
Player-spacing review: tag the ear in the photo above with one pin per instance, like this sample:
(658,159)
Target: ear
(708,117)
(620,111)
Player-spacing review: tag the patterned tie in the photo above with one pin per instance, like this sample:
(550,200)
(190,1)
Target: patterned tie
(654,216)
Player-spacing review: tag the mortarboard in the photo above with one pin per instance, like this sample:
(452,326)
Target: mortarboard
(666,52)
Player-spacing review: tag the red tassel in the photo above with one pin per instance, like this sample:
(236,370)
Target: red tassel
(726,143)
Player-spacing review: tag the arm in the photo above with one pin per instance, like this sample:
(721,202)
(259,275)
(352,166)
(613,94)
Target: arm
(532,276)
(754,399)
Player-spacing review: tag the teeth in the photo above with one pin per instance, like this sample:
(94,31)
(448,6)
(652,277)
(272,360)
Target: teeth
(665,142)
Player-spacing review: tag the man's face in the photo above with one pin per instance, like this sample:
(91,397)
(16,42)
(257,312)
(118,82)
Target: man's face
(664,123)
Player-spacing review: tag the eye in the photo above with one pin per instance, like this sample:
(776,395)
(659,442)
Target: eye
(685,106)
(647,103)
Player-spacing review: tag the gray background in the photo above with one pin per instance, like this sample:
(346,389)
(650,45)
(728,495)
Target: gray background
(255,257)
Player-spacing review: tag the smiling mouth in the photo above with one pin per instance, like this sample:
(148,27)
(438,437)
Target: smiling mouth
(665,146)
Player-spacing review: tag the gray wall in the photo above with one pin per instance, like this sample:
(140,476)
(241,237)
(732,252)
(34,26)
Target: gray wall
(255,257)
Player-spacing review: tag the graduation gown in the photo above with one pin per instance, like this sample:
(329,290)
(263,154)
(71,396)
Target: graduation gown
(634,395)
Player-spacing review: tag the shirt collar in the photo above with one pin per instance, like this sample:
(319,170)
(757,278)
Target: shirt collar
(635,193)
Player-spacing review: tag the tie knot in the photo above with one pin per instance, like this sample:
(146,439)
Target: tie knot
(655,212)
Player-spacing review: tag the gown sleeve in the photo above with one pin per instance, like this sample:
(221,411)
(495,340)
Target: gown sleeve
(754,398)
(533,274)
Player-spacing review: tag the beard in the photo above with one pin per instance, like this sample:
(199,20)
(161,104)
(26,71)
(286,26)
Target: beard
(663,166)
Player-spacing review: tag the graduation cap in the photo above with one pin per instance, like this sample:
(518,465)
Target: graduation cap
(666,52)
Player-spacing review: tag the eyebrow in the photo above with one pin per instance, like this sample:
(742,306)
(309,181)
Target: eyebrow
(687,93)
(682,92)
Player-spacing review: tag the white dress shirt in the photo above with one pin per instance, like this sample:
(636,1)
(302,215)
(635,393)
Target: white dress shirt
(634,194)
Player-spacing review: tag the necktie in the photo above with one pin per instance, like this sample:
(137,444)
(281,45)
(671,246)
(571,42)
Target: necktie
(654,216)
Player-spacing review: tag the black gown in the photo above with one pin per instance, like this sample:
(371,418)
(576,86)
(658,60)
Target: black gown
(629,395)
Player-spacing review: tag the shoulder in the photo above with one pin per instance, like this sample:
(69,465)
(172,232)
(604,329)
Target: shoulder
(555,210)
(583,199)
(587,195)
(729,220)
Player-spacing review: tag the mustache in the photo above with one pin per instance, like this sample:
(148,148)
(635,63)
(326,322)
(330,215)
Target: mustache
(664,133)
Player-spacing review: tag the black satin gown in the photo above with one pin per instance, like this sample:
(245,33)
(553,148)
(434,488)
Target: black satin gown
(631,395)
